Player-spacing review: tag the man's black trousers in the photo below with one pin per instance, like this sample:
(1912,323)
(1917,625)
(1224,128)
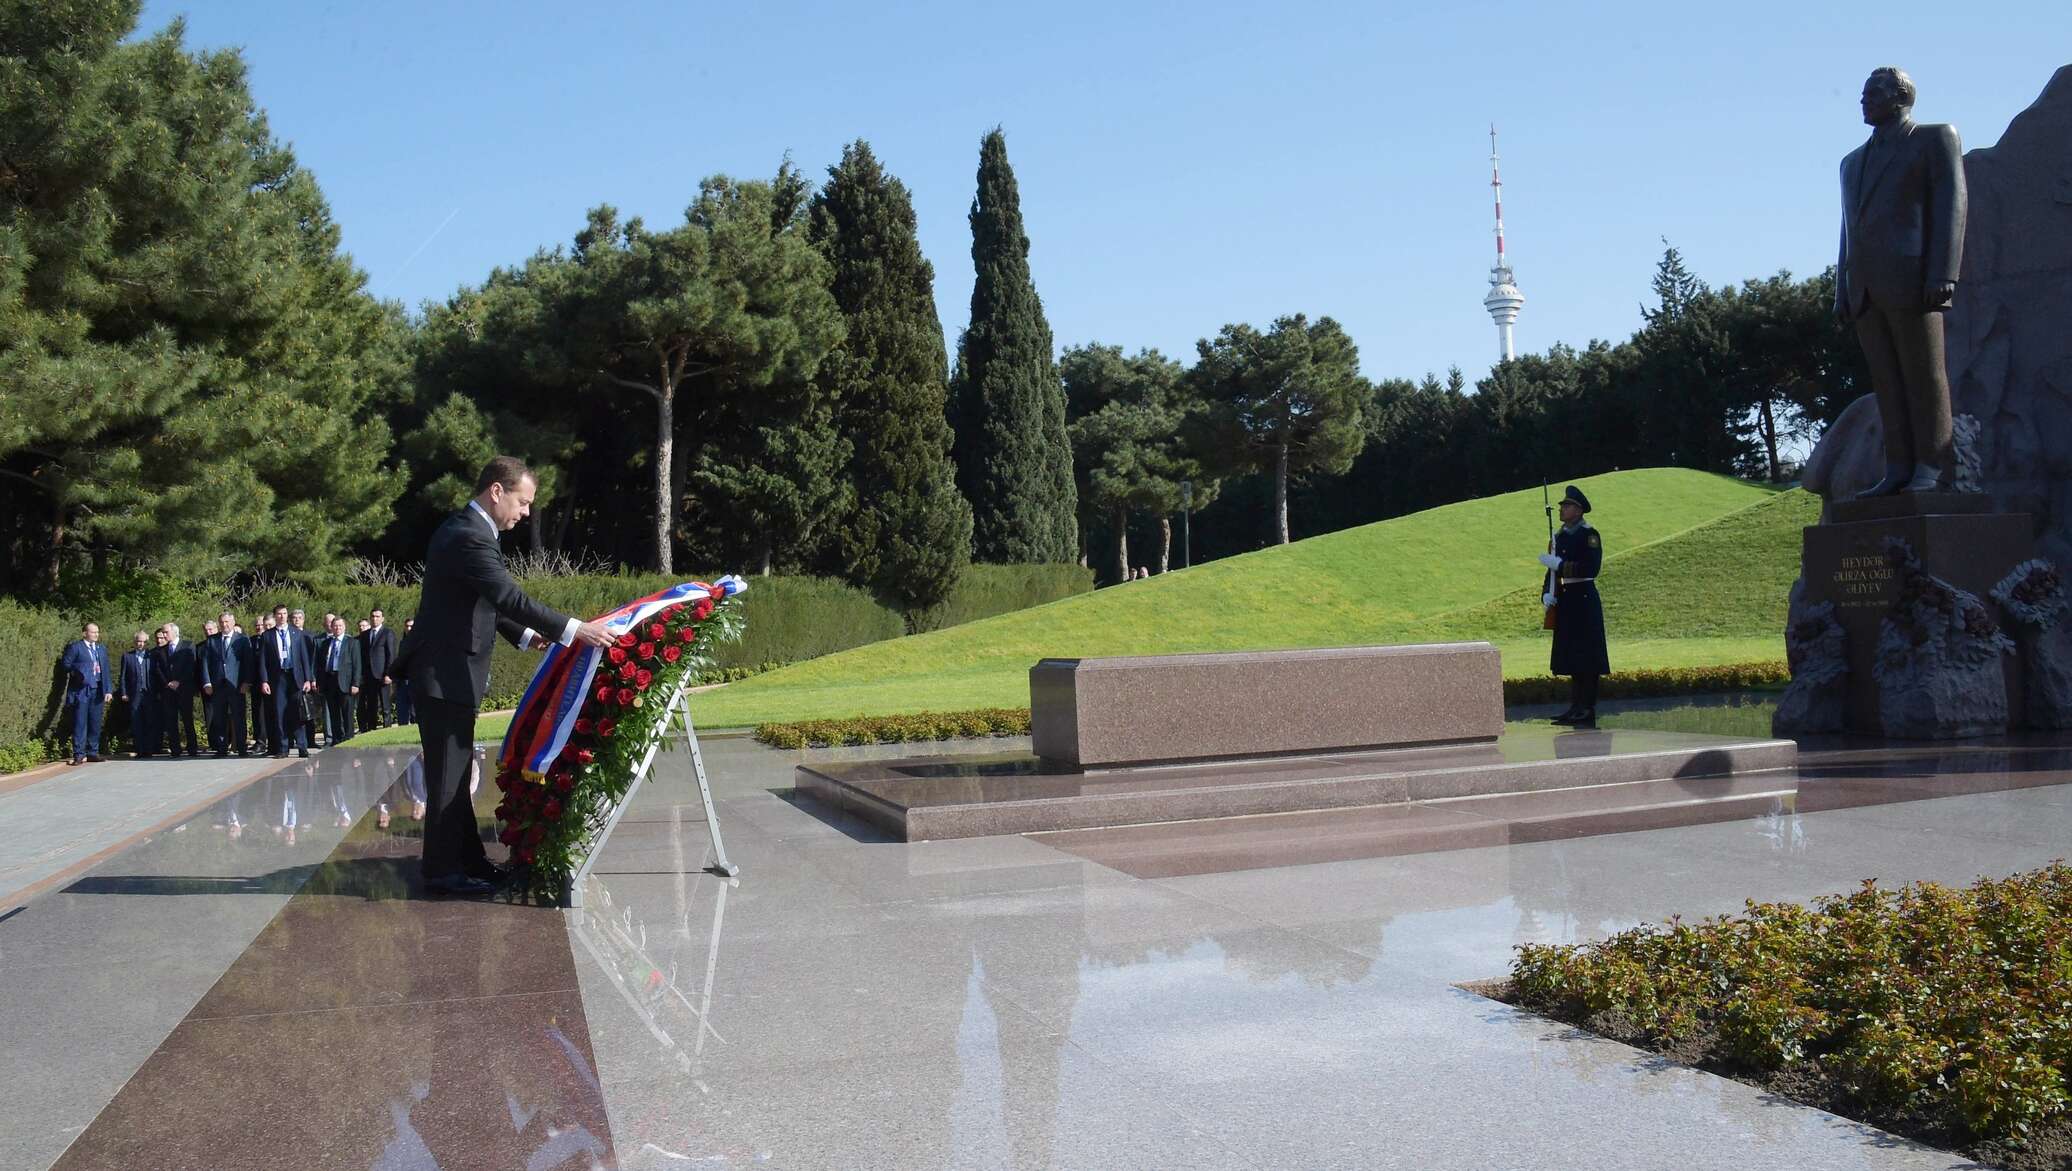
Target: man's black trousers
(452,840)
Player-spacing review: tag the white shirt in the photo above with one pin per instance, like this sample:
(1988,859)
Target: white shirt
(568,633)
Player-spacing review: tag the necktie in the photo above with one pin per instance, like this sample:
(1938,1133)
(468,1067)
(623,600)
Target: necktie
(280,639)
(332,666)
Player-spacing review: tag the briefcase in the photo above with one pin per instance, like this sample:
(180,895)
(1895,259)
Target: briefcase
(303,709)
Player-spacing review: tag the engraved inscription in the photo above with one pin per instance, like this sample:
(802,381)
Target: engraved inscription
(1862,582)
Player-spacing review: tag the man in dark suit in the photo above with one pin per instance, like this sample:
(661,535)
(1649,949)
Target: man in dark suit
(223,681)
(140,696)
(89,684)
(338,681)
(406,711)
(1902,246)
(468,598)
(179,677)
(377,659)
(285,671)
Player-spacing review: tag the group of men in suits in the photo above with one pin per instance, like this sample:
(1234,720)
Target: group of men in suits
(295,683)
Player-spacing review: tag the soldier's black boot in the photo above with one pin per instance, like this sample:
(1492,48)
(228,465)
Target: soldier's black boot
(1575,701)
(1586,702)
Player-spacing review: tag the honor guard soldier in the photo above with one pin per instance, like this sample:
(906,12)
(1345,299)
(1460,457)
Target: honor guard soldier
(1579,650)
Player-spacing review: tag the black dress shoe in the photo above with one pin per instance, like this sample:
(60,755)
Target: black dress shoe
(1567,717)
(491,873)
(303,753)
(1587,718)
(457,886)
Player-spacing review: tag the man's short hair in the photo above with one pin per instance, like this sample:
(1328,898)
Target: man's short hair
(507,470)
(172,629)
(280,607)
(84,625)
(1899,81)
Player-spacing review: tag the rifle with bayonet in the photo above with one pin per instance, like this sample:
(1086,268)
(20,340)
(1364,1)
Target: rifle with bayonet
(1547,609)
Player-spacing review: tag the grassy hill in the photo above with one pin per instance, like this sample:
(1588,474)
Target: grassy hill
(1698,570)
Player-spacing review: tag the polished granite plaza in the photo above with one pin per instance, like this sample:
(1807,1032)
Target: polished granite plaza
(258,987)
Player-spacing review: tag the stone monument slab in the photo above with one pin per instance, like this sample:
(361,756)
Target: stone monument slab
(1847,564)
(1112,712)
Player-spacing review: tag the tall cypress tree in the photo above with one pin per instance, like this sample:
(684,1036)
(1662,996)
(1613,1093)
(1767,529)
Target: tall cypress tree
(1014,460)
(910,534)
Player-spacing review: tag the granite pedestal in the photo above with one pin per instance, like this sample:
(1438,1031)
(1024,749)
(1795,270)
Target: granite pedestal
(1955,535)
(1141,709)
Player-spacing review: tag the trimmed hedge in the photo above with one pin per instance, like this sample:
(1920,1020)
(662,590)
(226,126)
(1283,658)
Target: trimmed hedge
(1936,1012)
(1002,721)
(1654,682)
(992,721)
(790,619)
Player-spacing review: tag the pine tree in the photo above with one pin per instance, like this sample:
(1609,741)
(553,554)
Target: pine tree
(1014,460)
(909,536)
(192,378)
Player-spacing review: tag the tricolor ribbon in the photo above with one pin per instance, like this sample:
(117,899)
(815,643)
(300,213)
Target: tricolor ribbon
(547,713)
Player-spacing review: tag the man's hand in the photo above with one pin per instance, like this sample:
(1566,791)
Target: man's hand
(1941,293)
(355,691)
(387,682)
(1546,599)
(594,634)
(172,685)
(266,689)
(1550,560)
(208,690)
(539,643)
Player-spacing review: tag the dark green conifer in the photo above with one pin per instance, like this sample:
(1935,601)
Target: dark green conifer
(1014,461)
(909,536)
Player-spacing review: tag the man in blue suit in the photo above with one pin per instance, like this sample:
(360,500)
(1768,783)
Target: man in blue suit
(140,697)
(88,687)
(223,657)
(285,669)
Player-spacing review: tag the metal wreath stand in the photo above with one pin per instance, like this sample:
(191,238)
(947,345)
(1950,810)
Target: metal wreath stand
(676,718)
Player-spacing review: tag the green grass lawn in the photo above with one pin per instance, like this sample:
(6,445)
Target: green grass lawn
(1704,561)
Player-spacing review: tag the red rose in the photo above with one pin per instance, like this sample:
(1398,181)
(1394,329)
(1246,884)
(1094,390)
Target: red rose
(627,669)
(535,835)
(584,726)
(674,609)
(627,639)
(645,650)
(566,786)
(625,697)
(525,855)
(616,654)
(687,634)
(605,726)
(656,630)
(510,835)
(643,679)
(552,810)
(585,756)
(604,694)
(671,653)
(703,610)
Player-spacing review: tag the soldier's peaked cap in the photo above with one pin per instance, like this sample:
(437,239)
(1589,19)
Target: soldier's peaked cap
(1576,494)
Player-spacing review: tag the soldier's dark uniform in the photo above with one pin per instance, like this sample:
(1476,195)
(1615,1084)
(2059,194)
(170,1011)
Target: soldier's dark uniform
(1579,648)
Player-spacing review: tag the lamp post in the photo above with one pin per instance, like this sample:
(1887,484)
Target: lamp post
(1186,524)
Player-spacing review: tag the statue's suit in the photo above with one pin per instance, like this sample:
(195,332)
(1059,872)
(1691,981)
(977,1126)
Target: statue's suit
(1902,234)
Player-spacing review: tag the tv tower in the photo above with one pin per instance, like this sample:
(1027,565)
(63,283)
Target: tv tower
(1504,299)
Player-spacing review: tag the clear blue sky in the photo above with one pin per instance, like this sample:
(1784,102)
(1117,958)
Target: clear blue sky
(1181,164)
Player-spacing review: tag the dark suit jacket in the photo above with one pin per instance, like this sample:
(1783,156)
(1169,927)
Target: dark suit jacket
(469,597)
(348,674)
(377,654)
(87,671)
(136,675)
(300,668)
(1902,218)
(223,660)
(177,662)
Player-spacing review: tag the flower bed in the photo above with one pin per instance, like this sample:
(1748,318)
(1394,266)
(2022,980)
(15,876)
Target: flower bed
(1943,1015)
(563,771)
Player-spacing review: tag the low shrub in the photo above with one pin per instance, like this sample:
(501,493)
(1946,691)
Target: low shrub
(919,726)
(1656,682)
(1924,1003)
(985,590)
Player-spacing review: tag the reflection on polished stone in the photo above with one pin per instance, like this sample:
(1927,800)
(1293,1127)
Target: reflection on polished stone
(930,798)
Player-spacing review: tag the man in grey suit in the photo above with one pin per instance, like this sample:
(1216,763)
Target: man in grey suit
(1902,245)
(468,598)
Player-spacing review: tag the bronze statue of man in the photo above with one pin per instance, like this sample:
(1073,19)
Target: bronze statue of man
(1902,243)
